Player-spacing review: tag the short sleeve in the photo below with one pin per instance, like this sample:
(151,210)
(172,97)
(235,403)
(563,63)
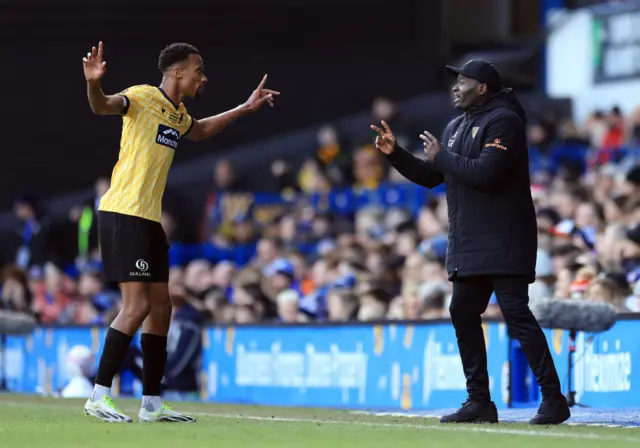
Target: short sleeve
(134,97)
(186,125)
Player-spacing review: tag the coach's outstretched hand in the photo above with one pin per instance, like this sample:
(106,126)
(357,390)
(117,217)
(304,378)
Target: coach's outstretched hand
(261,96)
(385,141)
(94,66)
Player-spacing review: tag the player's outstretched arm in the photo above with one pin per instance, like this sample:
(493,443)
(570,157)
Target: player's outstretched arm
(94,70)
(210,126)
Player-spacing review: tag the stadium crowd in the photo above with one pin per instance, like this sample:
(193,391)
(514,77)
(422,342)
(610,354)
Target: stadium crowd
(306,263)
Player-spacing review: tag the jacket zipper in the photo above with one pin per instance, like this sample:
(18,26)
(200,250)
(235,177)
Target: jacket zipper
(465,126)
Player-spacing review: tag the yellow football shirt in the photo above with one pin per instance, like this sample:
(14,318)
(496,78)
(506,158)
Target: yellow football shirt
(152,127)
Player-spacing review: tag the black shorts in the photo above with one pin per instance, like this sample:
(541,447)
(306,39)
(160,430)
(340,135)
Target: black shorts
(133,249)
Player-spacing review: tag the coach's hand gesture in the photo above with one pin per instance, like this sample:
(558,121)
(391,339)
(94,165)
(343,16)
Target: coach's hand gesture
(385,141)
(432,145)
(260,96)
(94,66)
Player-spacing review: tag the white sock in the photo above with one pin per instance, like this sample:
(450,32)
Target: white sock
(99,392)
(154,400)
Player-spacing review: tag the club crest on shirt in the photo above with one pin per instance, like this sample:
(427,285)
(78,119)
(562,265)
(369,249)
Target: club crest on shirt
(167,136)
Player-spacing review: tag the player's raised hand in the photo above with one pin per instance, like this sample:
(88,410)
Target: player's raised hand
(261,96)
(385,141)
(94,66)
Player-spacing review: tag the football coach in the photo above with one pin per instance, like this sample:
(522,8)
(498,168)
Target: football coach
(483,160)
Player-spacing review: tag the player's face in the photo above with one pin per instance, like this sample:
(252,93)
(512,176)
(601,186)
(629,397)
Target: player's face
(193,79)
(467,92)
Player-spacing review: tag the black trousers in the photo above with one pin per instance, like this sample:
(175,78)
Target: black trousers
(470,299)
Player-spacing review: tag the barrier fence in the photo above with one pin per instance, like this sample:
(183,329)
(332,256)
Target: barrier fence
(386,366)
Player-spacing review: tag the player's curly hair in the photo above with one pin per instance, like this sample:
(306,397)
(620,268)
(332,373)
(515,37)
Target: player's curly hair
(173,53)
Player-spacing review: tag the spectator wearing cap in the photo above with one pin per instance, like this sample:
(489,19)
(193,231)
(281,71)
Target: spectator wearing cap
(280,275)
(483,159)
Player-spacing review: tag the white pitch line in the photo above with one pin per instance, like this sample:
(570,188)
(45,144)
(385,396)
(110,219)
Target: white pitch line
(447,428)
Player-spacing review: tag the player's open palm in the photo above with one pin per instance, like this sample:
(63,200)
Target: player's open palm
(261,96)
(385,141)
(94,66)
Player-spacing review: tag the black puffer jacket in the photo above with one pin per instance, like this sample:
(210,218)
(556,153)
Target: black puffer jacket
(485,164)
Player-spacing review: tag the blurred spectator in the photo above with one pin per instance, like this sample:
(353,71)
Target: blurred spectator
(384,109)
(374,304)
(542,287)
(615,135)
(288,311)
(334,158)
(605,290)
(85,217)
(634,128)
(280,276)
(83,309)
(184,347)
(225,182)
(245,314)
(367,168)
(28,242)
(80,367)
(15,294)
(339,242)
(51,301)
(342,306)
(168,225)
(267,251)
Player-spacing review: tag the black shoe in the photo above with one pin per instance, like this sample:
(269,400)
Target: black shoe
(552,411)
(473,412)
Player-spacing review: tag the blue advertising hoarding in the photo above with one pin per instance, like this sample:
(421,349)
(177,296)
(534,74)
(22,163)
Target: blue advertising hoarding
(605,366)
(37,363)
(385,367)
(391,366)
